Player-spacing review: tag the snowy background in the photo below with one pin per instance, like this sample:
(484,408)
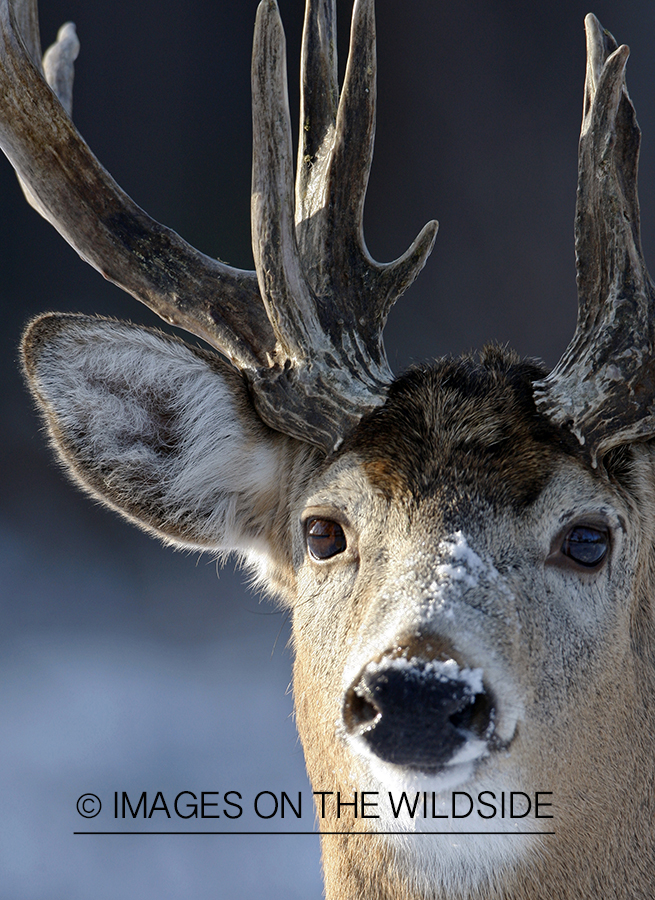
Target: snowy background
(125,666)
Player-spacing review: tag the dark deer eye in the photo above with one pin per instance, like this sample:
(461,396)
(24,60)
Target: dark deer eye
(325,538)
(586,546)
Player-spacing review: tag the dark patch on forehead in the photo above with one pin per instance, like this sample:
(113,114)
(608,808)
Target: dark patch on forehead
(465,428)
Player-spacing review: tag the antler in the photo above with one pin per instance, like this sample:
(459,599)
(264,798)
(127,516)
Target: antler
(603,387)
(306,328)
(69,187)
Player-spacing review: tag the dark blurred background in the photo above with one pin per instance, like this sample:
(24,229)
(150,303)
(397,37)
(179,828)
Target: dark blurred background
(126,666)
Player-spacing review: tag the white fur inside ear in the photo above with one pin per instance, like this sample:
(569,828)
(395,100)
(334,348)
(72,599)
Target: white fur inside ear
(159,431)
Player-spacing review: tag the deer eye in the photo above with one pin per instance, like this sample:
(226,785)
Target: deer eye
(325,538)
(586,546)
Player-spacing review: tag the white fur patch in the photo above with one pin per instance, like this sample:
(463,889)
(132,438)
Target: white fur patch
(438,852)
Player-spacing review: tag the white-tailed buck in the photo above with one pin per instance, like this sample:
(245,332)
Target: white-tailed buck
(467,550)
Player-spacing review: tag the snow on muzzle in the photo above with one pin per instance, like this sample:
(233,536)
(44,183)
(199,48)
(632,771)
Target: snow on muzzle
(419,714)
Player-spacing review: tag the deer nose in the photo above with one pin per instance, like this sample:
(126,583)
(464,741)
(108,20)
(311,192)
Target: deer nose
(418,713)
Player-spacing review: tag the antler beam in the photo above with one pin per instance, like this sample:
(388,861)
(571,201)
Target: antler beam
(602,388)
(108,230)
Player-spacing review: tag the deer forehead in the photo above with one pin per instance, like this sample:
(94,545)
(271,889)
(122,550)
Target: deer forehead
(456,445)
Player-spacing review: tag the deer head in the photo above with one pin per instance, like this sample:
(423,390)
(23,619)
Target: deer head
(467,550)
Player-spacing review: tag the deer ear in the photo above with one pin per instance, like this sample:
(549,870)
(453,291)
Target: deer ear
(158,430)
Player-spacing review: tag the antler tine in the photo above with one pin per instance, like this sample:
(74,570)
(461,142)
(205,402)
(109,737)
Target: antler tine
(326,299)
(58,65)
(290,306)
(603,386)
(321,380)
(319,96)
(334,163)
(70,188)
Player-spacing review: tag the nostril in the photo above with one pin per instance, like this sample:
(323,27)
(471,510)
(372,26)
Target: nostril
(476,716)
(359,710)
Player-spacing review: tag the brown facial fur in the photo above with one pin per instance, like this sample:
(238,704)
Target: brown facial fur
(466,422)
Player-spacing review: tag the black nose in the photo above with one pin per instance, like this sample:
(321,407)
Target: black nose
(417,713)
